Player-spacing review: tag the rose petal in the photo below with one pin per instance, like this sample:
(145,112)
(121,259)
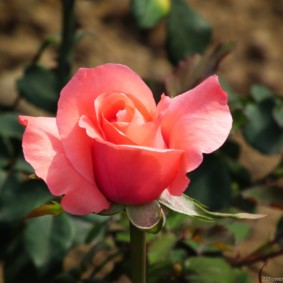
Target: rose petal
(114,135)
(43,149)
(134,175)
(197,121)
(147,134)
(84,199)
(117,107)
(88,125)
(77,99)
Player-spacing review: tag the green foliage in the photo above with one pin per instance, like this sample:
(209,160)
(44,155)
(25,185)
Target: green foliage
(18,197)
(47,239)
(161,248)
(10,127)
(240,230)
(211,183)
(260,93)
(149,12)
(187,32)
(38,86)
(264,127)
(213,270)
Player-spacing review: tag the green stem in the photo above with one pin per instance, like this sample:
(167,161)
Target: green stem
(67,42)
(138,254)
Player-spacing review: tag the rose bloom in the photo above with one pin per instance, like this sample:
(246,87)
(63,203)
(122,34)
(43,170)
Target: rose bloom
(111,143)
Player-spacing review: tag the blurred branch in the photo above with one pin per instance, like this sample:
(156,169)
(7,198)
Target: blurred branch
(259,254)
(251,259)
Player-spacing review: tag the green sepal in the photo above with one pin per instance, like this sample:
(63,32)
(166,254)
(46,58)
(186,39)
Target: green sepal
(53,209)
(113,209)
(148,217)
(188,206)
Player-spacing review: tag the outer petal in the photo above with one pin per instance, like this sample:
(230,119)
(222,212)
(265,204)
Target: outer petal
(77,99)
(43,150)
(197,121)
(134,175)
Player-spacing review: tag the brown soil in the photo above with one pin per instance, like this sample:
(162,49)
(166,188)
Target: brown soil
(256,26)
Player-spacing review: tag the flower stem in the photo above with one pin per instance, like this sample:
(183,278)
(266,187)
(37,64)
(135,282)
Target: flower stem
(67,43)
(138,254)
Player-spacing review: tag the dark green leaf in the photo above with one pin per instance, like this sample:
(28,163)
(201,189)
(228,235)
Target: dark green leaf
(212,270)
(175,221)
(3,176)
(236,105)
(241,276)
(22,165)
(278,114)
(149,12)
(90,227)
(96,231)
(231,149)
(241,176)
(260,93)
(64,278)
(47,239)
(211,183)
(240,230)
(18,198)
(10,126)
(38,85)
(6,152)
(262,131)
(239,119)
(187,32)
(161,248)
(209,270)
(160,271)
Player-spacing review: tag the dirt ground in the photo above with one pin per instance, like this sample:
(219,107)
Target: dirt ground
(256,26)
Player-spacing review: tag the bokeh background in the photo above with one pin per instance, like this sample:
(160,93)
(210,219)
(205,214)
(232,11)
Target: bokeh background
(110,34)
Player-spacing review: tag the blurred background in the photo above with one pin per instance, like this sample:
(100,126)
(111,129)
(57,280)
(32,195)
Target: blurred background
(249,169)
(255,26)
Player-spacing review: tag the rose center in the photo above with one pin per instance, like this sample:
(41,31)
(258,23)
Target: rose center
(117,108)
(116,112)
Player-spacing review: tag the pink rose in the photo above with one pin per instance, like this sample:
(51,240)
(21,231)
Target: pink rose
(110,143)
